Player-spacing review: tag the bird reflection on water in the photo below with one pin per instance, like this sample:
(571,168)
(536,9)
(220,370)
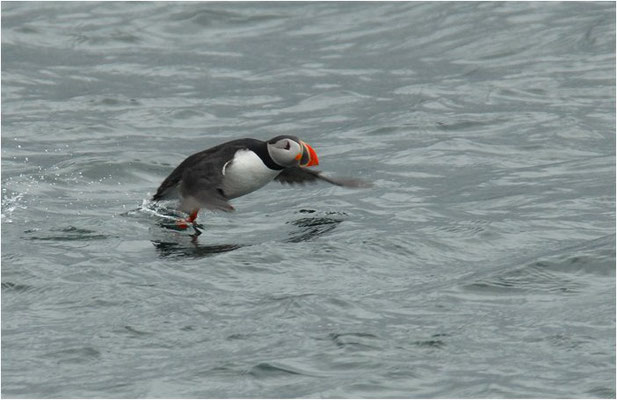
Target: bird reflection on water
(195,250)
(305,229)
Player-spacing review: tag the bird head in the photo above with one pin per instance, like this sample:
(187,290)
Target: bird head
(289,151)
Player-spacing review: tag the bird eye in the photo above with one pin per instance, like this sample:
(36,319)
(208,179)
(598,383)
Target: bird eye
(287,145)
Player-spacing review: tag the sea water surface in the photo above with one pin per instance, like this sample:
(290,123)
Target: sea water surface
(480,264)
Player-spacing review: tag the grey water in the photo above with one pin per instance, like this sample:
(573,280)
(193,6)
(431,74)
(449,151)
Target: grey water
(480,264)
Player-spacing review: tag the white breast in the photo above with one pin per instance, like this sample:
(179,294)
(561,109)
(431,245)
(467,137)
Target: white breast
(245,174)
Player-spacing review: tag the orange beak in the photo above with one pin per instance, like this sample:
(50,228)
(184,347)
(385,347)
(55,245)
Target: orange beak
(308,158)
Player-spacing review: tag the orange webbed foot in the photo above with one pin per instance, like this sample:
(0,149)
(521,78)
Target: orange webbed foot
(182,223)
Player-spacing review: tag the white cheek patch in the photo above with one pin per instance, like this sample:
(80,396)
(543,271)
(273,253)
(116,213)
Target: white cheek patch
(281,157)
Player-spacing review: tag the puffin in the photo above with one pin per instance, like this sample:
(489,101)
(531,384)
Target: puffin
(210,178)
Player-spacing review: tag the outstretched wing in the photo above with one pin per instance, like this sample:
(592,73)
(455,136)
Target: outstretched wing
(301,176)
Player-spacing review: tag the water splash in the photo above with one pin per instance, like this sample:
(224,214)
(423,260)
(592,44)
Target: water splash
(9,204)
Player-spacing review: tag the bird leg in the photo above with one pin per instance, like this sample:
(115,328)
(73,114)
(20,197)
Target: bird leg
(197,231)
(183,223)
(192,219)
